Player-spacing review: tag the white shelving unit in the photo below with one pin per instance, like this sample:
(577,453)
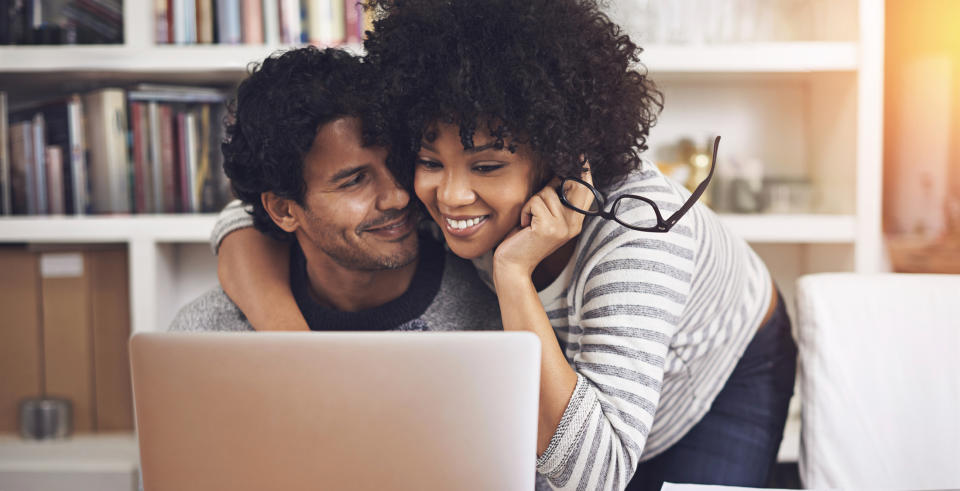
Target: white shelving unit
(810,108)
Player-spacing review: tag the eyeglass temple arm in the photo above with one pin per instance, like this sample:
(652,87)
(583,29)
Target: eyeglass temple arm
(699,191)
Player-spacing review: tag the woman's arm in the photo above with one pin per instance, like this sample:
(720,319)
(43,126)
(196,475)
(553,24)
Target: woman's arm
(254,271)
(546,226)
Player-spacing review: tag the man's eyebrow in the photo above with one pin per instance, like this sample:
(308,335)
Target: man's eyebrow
(348,172)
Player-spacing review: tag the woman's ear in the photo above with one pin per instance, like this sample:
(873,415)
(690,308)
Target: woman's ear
(281,211)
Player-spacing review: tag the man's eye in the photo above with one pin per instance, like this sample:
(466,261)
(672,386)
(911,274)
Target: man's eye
(428,164)
(357,179)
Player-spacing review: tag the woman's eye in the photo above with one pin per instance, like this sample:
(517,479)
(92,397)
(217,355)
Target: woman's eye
(487,168)
(428,164)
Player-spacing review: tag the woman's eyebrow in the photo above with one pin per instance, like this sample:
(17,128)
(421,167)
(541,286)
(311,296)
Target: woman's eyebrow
(479,149)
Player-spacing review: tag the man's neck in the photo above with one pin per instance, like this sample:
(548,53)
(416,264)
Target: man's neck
(349,290)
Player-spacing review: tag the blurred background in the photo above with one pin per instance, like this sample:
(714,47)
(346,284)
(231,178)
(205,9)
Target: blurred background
(841,152)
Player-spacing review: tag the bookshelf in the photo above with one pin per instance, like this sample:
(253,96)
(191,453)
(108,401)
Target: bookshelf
(811,107)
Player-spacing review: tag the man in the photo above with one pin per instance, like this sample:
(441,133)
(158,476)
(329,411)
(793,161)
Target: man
(303,162)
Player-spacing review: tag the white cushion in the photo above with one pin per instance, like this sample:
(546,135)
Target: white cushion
(880,377)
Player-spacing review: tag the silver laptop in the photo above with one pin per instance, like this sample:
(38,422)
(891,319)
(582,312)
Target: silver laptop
(299,411)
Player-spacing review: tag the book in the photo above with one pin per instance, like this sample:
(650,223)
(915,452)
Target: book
(271,22)
(229,27)
(6,198)
(175,93)
(252,18)
(64,129)
(142,200)
(161,23)
(20,146)
(184,21)
(203,158)
(291,27)
(53,157)
(325,22)
(353,21)
(156,157)
(169,157)
(106,131)
(79,176)
(39,188)
(204,9)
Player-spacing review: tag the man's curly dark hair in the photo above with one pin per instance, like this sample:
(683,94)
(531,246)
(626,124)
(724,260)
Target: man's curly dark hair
(558,75)
(279,108)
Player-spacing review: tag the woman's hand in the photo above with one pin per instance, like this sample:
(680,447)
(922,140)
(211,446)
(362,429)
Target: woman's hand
(545,226)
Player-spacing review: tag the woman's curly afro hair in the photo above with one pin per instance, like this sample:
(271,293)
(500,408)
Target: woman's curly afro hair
(279,108)
(555,74)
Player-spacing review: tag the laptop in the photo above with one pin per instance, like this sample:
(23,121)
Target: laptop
(336,410)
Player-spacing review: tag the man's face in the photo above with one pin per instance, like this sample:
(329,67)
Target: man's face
(354,210)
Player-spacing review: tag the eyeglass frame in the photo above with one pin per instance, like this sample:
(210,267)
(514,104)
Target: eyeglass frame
(663,226)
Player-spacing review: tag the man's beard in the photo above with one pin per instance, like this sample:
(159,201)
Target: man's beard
(338,245)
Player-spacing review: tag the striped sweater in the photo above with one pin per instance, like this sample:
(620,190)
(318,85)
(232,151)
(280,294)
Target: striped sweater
(652,323)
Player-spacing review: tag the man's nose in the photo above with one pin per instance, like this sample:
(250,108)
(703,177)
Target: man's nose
(393,195)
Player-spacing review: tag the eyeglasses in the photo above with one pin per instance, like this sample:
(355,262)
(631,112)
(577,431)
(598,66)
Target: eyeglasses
(631,201)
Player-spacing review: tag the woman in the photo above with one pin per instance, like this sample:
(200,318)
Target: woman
(666,353)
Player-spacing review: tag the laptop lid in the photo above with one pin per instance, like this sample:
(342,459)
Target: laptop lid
(298,411)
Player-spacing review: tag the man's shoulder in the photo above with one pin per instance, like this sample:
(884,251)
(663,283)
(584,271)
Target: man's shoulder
(212,311)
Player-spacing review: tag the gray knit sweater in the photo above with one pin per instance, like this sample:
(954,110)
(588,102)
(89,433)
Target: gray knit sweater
(462,303)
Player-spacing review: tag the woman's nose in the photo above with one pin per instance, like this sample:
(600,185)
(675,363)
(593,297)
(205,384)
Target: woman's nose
(455,190)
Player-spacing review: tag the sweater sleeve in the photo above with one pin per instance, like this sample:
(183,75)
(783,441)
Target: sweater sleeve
(626,313)
(233,217)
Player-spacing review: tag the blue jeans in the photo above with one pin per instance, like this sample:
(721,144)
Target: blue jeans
(736,442)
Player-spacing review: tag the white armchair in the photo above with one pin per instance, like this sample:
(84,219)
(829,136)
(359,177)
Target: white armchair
(879,374)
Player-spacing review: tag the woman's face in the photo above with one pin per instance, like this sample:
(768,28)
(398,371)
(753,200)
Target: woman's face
(474,195)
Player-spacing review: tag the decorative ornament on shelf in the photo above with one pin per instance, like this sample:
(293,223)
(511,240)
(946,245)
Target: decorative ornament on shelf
(923,254)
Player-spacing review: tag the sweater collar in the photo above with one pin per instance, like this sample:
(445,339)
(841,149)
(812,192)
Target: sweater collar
(409,306)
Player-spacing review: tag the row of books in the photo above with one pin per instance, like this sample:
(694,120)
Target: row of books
(271,22)
(61,21)
(150,149)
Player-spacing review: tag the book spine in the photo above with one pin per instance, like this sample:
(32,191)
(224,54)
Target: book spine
(228,21)
(183,152)
(252,22)
(162,27)
(30,165)
(169,159)
(179,20)
(203,163)
(204,10)
(291,31)
(78,156)
(353,21)
(53,155)
(19,134)
(118,163)
(140,156)
(6,198)
(40,163)
(190,21)
(338,21)
(190,171)
(271,22)
(156,158)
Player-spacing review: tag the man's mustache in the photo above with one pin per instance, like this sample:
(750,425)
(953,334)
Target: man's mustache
(387,217)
